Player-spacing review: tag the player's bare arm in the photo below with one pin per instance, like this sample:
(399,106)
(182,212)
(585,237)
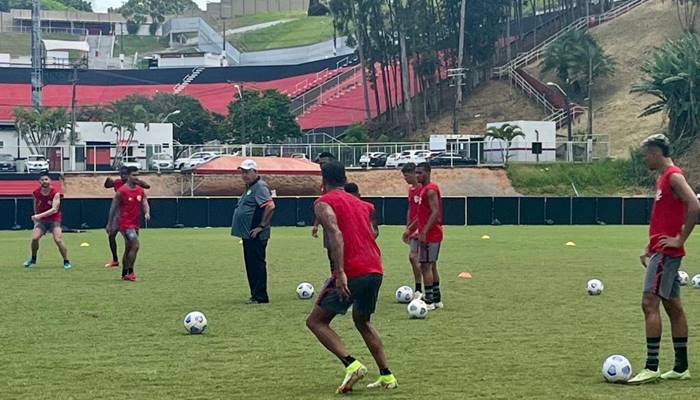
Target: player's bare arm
(684,192)
(434,213)
(326,218)
(55,206)
(112,211)
(109,183)
(146,208)
(141,183)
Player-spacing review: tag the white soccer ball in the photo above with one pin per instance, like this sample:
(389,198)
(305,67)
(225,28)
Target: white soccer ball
(195,323)
(404,294)
(305,290)
(417,309)
(595,287)
(617,369)
(683,278)
(696,281)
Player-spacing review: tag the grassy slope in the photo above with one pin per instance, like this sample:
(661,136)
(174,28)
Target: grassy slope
(522,328)
(139,44)
(605,178)
(300,32)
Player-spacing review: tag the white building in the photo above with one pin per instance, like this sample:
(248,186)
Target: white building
(96,146)
(521,148)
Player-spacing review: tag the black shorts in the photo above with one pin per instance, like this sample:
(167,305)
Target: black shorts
(364,292)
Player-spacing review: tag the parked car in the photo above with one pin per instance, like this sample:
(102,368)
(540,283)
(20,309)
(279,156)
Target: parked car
(373,159)
(414,156)
(195,159)
(392,160)
(300,156)
(162,161)
(451,159)
(7,163)
(36,163)
(130,162)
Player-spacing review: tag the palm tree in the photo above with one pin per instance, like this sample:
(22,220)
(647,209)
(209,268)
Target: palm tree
(42,129)
(506,133)
(122,122)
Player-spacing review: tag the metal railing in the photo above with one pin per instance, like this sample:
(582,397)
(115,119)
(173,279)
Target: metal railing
(49,29)
(317,95)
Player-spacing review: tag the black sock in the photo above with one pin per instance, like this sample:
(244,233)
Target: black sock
(436,292)
(384,371)
(347,360)
(653,344)
(680,346)
(419,287)
(125,271)
(34,259)
(131,270)
(429,294)
(66,262)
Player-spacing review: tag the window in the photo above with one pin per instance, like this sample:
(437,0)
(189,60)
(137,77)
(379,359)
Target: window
(80,154)
(166,145)
(2,144)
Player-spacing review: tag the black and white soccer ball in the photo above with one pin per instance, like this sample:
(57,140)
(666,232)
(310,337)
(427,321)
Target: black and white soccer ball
(305,290)
(594,287)
(195,323)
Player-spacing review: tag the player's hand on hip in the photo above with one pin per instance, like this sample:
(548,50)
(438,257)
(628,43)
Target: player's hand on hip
(314,231)
(341,283)
(405,237)
(671,242)
(34,218)
(422,237)
(255,232)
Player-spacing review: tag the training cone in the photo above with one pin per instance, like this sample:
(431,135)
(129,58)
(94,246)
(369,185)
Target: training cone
(464,275)
(85,244)
(240,241)
(486,237)
(571,244)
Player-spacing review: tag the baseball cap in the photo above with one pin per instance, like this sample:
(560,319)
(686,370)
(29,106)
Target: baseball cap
(248,165)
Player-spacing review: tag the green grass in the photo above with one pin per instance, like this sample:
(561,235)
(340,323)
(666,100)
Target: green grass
(597,179)
(20,44)
(248,20)
(139,44)
(301,32)
(522,328)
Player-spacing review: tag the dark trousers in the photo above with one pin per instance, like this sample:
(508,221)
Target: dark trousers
(256,268)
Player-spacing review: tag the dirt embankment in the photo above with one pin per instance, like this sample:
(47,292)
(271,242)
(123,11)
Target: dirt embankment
(453,182)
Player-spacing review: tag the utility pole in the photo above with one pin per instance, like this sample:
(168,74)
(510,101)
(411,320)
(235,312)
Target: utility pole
(407,101)
(37,68)
(590,108)
(73,111)
(460,68)
(368,112)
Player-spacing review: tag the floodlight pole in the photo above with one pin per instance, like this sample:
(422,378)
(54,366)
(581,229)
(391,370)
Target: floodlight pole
(37,79)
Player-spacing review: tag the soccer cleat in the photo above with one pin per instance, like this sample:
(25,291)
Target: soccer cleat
(353,373)
(130,277)
(112,264)
(384,382)
(645,376)
(430,306)
(417,295)
(28,264)
(438,305)
(66,265)
(676,376)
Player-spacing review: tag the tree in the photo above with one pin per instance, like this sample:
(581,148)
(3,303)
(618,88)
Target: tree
(357,133)
(42,129)
(506,134)
(261,117)
(123,117)
(192,125)
(137,11)
(574,57)
(673,77)
(687,13)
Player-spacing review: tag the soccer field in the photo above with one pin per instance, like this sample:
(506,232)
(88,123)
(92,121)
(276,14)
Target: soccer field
(522,328)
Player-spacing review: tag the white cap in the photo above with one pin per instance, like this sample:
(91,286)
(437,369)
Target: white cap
(248,165)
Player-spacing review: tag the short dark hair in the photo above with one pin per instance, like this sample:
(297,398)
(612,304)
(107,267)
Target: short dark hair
(658,141)
(408,167)
(352,188)
(424,165)
(327,154)
(131,170)
(44,174)
(334,174)
(123,169)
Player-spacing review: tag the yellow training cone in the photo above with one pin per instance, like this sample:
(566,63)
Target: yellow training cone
(240,241)
(486,237)
(464,275)
(85,244)
(572,244)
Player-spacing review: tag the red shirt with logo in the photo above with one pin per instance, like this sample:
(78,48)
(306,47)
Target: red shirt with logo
(435,233)
(130,207)
(45,203)
(413,205)
(118,183)
(667,216)
(361,252)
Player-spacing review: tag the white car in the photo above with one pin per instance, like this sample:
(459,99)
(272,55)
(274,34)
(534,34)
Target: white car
(130,162)
(161,161)
(413,156)
(300,156)
(36,163)
(195,159)
(393,160)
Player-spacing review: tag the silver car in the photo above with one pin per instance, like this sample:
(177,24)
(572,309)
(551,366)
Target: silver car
(7,163)
(162,161)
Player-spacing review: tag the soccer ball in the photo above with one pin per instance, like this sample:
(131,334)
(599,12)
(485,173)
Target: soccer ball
(404,294)
(305,290)
(683,278)
(417,309)
(617,369)
(595,287)
(696,281)
(195,323)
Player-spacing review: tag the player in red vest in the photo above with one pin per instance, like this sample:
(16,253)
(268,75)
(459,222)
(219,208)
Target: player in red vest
(676,210)
(47,218)
(116,184)
(429,235)
(355,280)
(410,236)
(128,203)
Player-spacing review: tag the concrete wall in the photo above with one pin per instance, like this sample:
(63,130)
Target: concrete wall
(75,16)
(235,8)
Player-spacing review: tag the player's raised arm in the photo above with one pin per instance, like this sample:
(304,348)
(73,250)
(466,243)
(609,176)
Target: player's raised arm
(109,183)
(141,183)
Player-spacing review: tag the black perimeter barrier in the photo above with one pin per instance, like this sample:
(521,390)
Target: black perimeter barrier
(15,213)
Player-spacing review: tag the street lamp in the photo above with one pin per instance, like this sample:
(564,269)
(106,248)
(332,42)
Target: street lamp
(176,112)
(570,135)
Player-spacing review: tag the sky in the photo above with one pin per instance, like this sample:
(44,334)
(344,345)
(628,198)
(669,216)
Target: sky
(103,5)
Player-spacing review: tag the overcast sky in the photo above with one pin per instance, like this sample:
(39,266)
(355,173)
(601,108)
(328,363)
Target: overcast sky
(103,5)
